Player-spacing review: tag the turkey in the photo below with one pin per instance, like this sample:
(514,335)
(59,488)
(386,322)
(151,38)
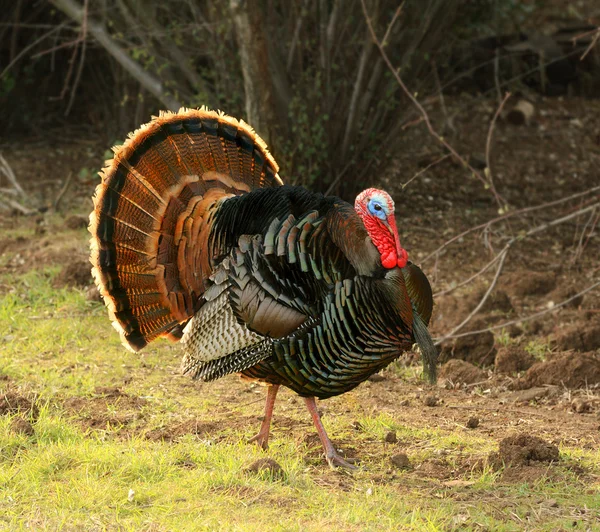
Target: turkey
(196,238)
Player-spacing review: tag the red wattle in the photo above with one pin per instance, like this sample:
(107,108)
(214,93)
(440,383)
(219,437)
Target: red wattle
(403,258)
(389,261)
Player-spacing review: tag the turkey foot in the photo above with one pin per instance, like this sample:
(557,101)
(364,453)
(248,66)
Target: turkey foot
(331,455)
(262,438)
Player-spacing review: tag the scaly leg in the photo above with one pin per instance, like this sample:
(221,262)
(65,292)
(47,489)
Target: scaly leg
(262,438)
(331,455)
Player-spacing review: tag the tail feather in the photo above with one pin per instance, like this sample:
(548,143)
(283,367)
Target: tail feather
(153,212)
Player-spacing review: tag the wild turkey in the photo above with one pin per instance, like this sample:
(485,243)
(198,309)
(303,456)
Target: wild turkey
(195,237)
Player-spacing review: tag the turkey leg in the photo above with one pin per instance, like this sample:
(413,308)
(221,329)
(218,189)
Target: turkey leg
(331,455)
(262,438)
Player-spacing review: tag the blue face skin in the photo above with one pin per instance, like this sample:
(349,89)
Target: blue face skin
(377,208)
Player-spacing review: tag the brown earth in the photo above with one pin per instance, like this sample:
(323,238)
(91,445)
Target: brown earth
(513,359)
(456,372)
(573,370)
(12,402)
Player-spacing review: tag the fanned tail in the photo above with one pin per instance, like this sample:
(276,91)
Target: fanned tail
(153,212)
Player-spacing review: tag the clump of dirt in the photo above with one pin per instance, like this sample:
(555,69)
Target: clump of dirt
(581,337)
(174,432)
(12,244)
(523,450)
(530,284)
(75,274)
(472,423)
(266,466)
(434,468)
(391,437)
(477,349)
(456,372)
(431,400)
(580,405)
(111,407)
(20,425)
(573,370)
(512,359)
(401,461)
(13,403)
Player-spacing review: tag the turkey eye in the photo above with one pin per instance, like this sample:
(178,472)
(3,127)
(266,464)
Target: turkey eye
(377,207)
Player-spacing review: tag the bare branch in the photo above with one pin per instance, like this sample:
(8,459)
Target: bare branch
(488,144)
(596,34)
(62,191)
(421,172)
(29,47)
(152,84)
(10,175)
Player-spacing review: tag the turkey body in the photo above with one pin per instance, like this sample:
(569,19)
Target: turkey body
(195,237)
(326,322)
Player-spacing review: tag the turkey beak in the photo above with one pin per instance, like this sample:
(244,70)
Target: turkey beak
(401,253)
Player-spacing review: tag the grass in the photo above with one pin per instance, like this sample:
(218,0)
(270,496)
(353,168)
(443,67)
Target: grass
(92,463)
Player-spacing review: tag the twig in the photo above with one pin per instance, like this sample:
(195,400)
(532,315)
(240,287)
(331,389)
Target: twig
(29,47)
(421,172)
(467,281)
(499,200)
(338,177)
(384,41)
(488,144)
(10,175)
(502,255)
(592,44)
(580,244)
(83,37)
(497,75)
(63,190)
(441,96)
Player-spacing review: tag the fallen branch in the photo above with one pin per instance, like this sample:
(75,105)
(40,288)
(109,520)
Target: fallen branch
(11,204)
